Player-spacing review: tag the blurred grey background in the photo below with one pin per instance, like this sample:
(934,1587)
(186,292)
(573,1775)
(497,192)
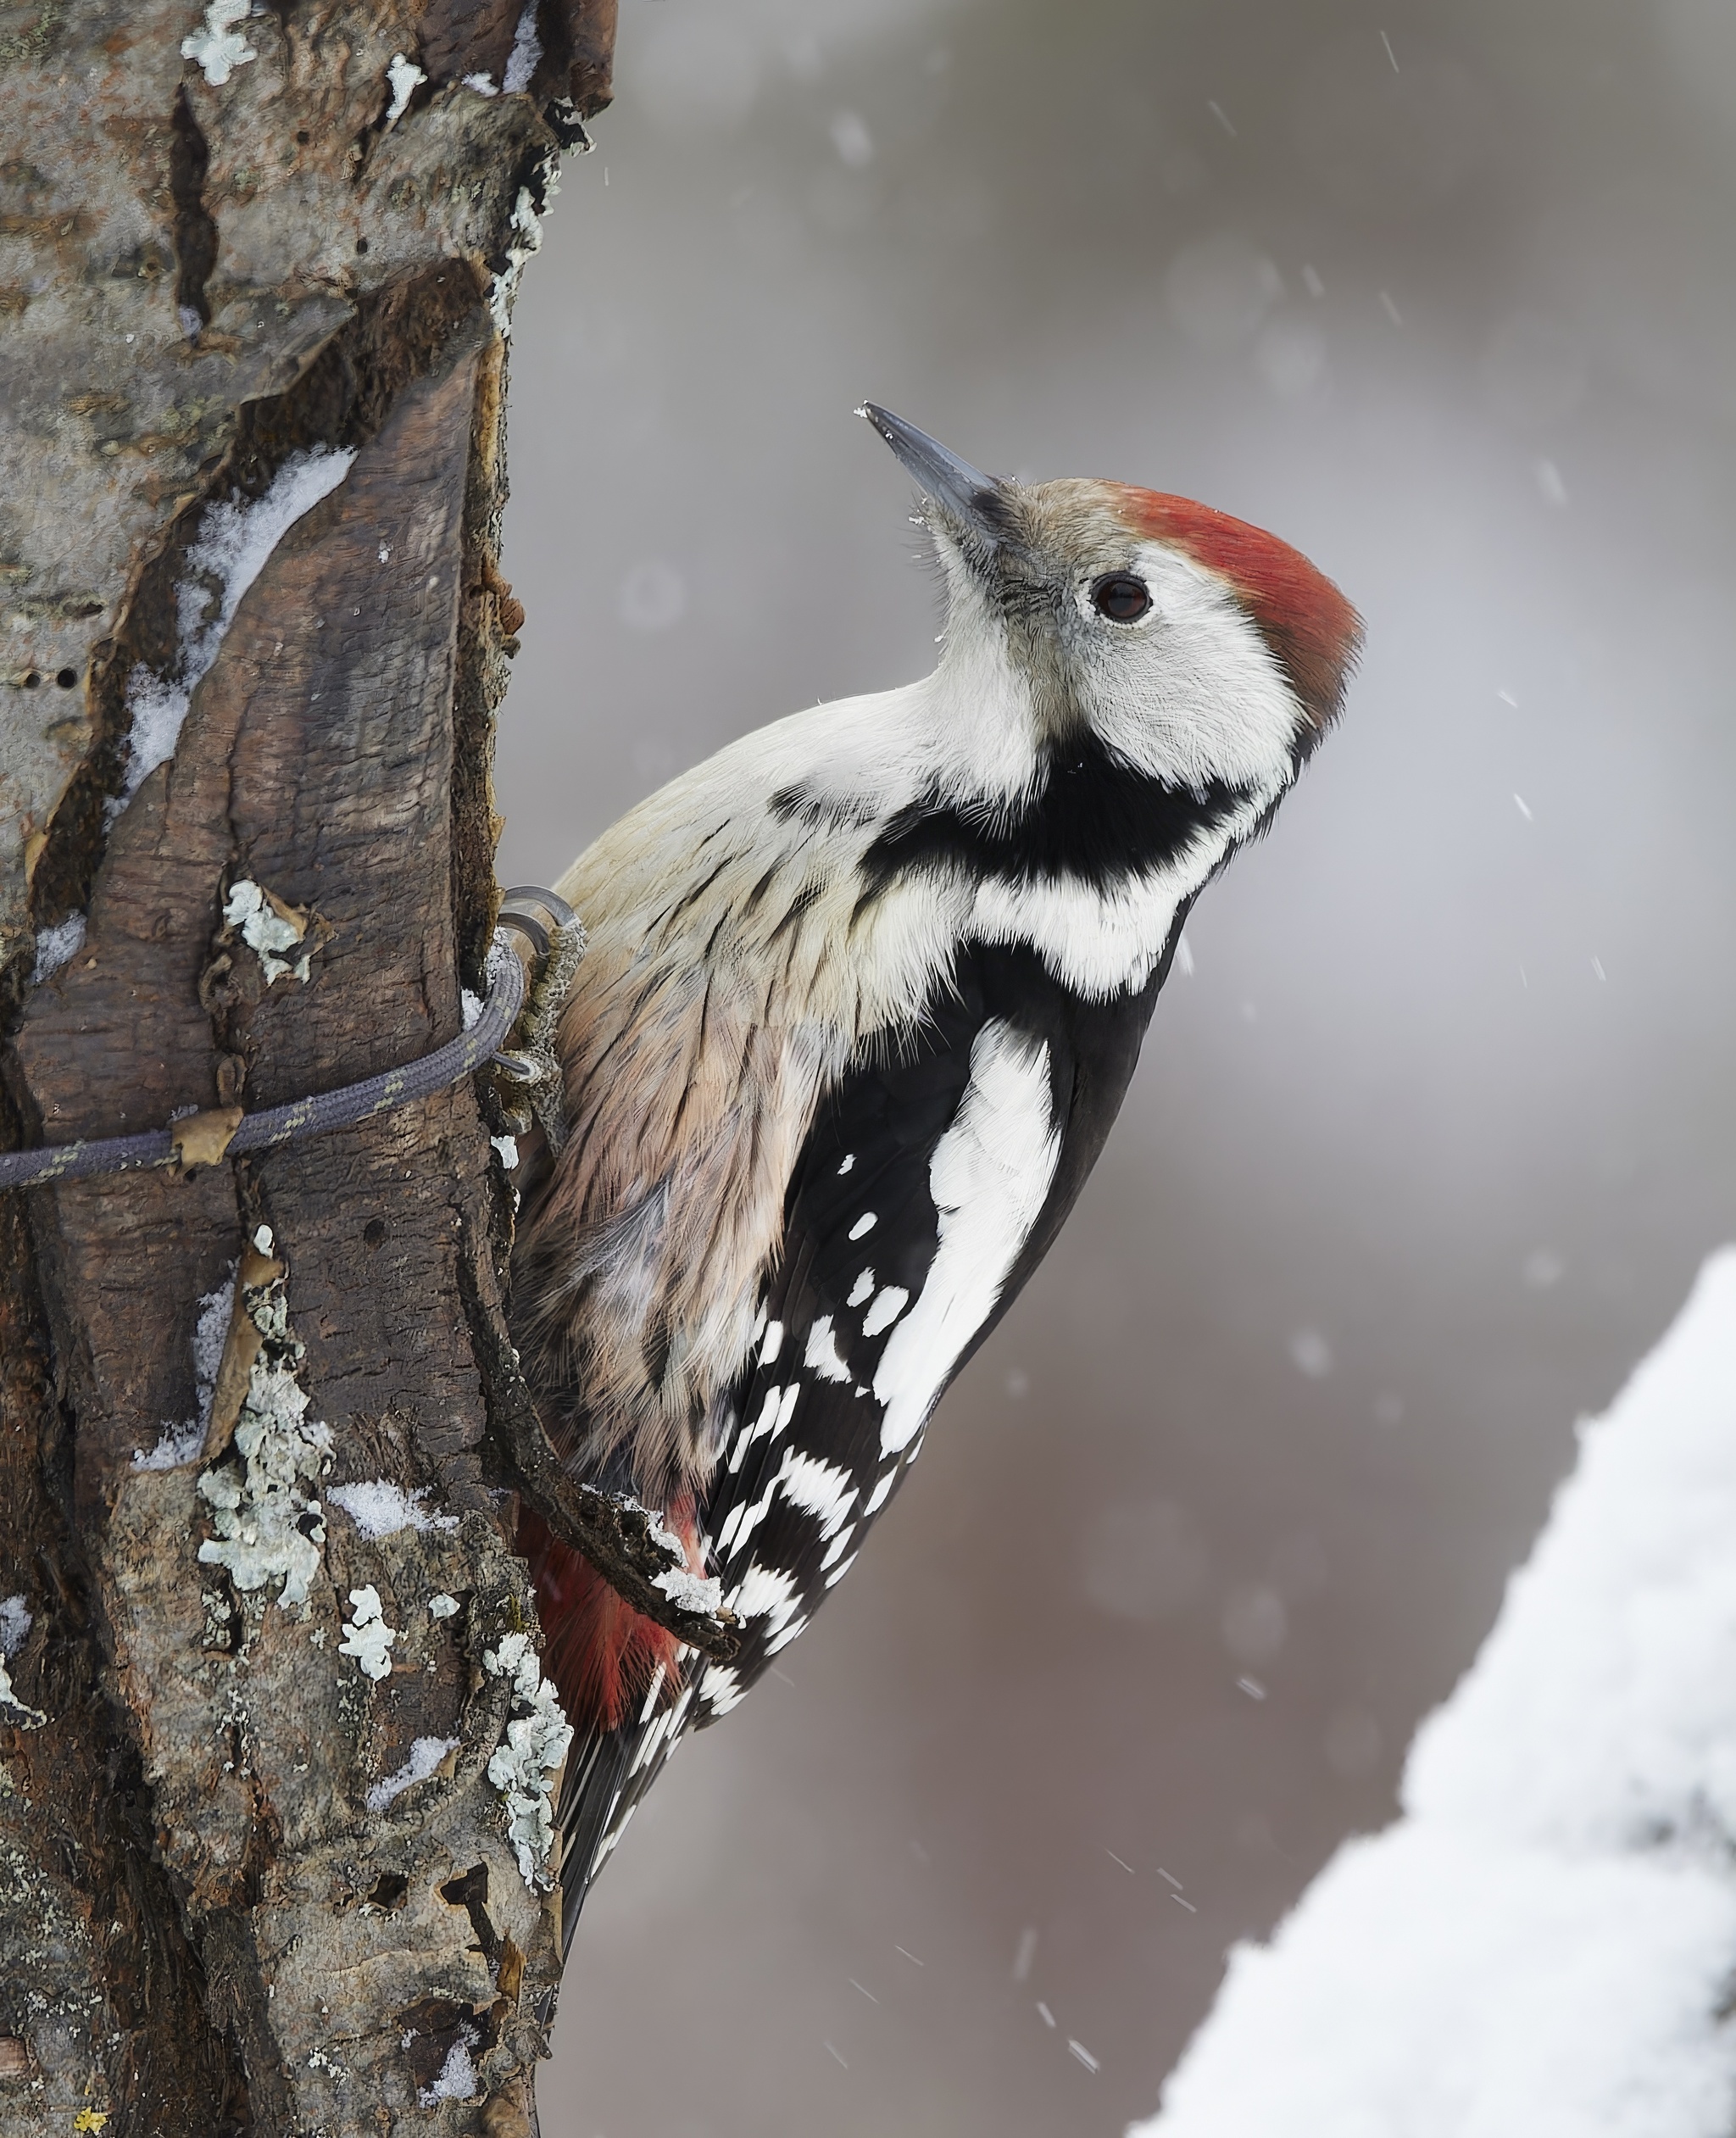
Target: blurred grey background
(1424,1153)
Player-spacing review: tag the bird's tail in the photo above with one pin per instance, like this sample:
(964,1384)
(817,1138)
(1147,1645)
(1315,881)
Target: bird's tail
(590,1793)
(617,1675)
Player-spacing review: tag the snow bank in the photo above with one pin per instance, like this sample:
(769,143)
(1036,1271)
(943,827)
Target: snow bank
(1545,1942)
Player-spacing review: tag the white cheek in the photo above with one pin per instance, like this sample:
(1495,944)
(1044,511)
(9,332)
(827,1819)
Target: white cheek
(1193,693)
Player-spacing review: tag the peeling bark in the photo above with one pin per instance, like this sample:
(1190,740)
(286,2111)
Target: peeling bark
(261,1870)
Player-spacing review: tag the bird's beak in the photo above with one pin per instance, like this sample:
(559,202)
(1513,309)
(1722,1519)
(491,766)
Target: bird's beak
(977,501)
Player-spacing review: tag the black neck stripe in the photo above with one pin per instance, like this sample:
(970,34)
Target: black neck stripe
(1094,818)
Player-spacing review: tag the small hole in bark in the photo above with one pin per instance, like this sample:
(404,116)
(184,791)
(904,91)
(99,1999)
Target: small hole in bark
(31,680)
(374,1232)
(303,135)
(361,244)
(67,678)
(388,1892)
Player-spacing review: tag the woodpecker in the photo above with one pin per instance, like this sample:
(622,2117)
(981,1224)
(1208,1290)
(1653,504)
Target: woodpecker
(862,996)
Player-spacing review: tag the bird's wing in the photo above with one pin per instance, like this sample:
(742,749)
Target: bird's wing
(932,1183)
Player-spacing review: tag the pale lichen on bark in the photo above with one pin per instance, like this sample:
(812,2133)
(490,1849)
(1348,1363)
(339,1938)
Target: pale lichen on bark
(256,1873)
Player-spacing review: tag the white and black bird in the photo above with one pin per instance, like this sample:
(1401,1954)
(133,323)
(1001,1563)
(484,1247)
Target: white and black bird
(862,997)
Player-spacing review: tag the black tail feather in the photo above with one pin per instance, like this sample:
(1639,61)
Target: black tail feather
(590,1789)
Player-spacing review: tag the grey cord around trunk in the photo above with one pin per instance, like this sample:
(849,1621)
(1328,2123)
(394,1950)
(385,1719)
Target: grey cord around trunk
(339,1109)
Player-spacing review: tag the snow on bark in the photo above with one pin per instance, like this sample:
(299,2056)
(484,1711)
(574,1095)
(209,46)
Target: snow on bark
(1544,1941)
(238,538)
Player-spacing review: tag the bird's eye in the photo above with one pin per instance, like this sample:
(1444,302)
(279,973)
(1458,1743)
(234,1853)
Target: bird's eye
(1121,598)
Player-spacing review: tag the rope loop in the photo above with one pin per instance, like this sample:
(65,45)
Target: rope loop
(341,1109)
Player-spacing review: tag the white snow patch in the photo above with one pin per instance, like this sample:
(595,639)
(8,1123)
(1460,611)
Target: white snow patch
(58,946)
(529,1755)
(16,1623)
(265,932)
(18,1713)
(506,1150)
(176,1445)
(425,1755)
(379,1509)
(367,1636)
(1544,1942)
(210,1335)
(525,220)
(526,54)
(471,1007)
(484,85)
(458,2078)
(442,1606)
(234,543)
(664,1537)
(220,47)
(691,1591)
(185,1442)
(406,77)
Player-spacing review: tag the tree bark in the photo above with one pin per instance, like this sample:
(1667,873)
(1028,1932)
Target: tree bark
(270,1859)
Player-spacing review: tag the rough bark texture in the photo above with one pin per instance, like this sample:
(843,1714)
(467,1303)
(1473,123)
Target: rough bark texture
(203,1926)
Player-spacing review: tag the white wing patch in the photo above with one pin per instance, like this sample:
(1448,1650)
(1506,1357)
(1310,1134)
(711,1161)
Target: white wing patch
(775,1414)
(720,1689)
(767,1593)
(817,1488)
(989,1177)
(885,1310)
(821,1356)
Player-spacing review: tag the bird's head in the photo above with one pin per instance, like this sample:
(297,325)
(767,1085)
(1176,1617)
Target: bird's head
(1198,650)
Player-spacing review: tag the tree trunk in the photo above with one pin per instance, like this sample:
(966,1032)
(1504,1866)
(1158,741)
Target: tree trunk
(268,1859)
